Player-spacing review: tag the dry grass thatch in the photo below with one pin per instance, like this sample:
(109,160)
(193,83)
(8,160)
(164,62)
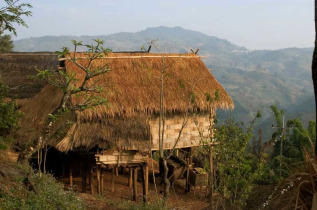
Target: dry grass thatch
(132,88)
(16,67)
(133,84)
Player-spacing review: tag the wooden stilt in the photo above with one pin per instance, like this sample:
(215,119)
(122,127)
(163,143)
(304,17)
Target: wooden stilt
(135,182)
(145,173)
(130,177)
(177,153)
(91,178)
(98,180)
(101,182)
(70,176)
(187,175)
(113,179)
(84,183)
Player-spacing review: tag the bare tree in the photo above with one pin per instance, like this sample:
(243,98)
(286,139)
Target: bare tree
(314,70)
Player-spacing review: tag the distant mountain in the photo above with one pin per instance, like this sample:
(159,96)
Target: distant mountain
(254,79)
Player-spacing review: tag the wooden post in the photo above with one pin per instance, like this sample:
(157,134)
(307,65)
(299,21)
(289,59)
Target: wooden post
(135,182)
(130,177)
(101,182)
(70,176)
(177,152)
(145,173)
(91,178)
(113,179)
(98,180)
(187,176)
(84,183)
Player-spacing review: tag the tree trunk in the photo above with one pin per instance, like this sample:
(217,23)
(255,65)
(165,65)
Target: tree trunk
(166,181)
(314,71)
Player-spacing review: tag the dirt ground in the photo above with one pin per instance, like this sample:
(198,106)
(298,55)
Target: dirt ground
(178,199)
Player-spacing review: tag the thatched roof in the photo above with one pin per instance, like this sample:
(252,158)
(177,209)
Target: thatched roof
(16,67)
(133,84)
(133,91)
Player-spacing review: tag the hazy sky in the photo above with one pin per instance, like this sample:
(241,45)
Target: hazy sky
(255,24)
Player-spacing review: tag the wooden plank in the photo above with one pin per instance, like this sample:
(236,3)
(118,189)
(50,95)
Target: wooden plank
(115,157)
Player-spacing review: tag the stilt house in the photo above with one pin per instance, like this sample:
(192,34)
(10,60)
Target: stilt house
(126,131)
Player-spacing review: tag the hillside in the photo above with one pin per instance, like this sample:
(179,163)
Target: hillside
(254,79)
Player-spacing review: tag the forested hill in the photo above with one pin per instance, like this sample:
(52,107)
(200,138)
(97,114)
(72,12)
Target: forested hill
(254,79)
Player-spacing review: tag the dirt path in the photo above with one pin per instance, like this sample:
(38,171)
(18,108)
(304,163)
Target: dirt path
(122,195)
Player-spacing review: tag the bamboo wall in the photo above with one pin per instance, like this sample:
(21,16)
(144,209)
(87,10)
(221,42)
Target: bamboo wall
(190,135)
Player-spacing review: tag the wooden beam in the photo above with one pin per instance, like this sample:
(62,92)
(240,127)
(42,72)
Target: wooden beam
(135,183)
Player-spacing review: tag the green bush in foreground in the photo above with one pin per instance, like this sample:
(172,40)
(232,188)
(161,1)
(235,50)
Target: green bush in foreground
(48,194)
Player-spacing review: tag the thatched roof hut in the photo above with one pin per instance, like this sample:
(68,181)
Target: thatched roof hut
(133,90)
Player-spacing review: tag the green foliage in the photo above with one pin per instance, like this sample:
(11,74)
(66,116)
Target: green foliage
(6,44)
(49,194)
(293,138)
(11,14)
(312,130)
(69,83)
(8,118)
(236,171)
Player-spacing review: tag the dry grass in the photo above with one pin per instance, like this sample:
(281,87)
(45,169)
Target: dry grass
(297,191)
